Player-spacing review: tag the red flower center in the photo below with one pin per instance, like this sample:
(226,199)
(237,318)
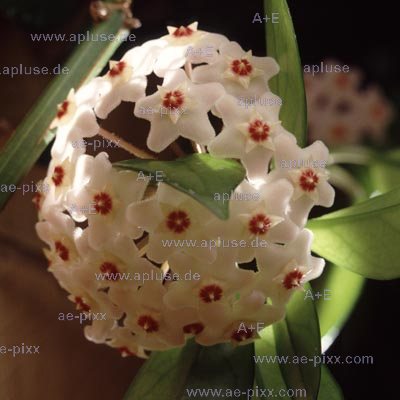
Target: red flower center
(178,221)
(378,111)
(58,175)
(117,69)
(210,293)
(125,352)
(183,31)
(173,100)
(194,328)
(241,67)
(293,279)
(339,132)
(242,334)
(308,180)
(148,323)
(62,251)
(342,80)
(259,130)
(103,203)
(110,270)
(259,224)
(81,305)
(62,109)
(37,200)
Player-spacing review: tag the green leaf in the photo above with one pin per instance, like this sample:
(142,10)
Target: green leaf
(268,374)
(289,83)
(201,176)
(385,171)
(363,238)
(222,367)
(32,135)
(174,373)
(164,375)
(298,335)
(344,288)
(329,389)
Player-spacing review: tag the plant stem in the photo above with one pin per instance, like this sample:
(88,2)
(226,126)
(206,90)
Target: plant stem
(130,148)
(177,149)
(351,155)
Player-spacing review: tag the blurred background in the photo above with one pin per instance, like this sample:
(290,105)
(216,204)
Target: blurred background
(69,367)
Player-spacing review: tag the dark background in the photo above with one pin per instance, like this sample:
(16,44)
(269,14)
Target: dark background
(355,33)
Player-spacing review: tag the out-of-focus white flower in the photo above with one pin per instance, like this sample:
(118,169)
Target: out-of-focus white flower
(378,111)
(340,112)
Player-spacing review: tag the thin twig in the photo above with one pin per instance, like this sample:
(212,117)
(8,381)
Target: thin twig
(130,148)
(177,149)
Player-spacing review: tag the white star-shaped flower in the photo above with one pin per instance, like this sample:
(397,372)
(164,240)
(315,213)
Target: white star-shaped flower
(259,220)
(75,120)
(222,294)
(120,338)
(306,169)
(172,219)
(101,195)
(248,133)
(125,81)
(179,108)
(184,44)
(147,317)
(59,232)
(58,181)
(119,264)
(241,73)
(284,268)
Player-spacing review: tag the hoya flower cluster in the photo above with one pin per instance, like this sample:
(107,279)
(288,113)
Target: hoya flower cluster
(161,266)
(340,112)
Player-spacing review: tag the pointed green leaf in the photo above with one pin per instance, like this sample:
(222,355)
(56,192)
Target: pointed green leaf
(268,374)
(289,83)
(329,389)
(222,367)
(200,176)
(164,375)
(32,135)
(177,374)
(363,238)
(298,335)
(343,289)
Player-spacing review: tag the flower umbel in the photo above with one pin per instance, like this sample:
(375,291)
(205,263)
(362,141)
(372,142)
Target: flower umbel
(155,261)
